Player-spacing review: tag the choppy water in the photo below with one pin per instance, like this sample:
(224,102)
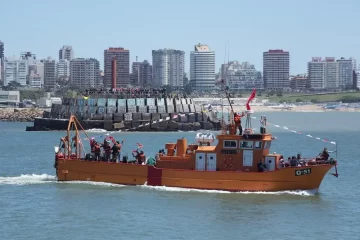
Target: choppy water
(34,206)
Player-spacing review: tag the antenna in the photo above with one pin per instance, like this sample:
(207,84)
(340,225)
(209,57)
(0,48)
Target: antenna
(225,54)
(228,51)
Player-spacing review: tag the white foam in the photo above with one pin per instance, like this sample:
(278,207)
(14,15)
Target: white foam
(178,189)
(96,130)
(26,179)
(101,184)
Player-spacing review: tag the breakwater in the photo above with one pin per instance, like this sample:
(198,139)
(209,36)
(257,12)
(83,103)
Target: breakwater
(131,114)
(19,114)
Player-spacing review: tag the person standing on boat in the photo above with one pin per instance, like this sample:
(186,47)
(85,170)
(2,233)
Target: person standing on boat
(97,151)
(237,120)
(116,148)
(107,150)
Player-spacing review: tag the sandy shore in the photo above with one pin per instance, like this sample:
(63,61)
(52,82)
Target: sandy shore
(306,108)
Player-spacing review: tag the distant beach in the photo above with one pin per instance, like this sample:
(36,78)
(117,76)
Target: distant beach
(304,108)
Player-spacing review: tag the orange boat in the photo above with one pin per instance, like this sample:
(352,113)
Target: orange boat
(235,163)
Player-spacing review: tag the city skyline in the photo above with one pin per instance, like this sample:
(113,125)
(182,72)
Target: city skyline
(301,36)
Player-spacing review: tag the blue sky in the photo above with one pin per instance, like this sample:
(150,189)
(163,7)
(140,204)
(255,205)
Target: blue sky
(306,28)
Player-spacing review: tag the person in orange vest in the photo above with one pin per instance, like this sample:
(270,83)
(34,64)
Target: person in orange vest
(237,120)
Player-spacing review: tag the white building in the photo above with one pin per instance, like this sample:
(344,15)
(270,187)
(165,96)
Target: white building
(330,74)
(345,72)
(316,73)
(202,68)
(85,73)
(241,76)
(63,68)
(9,98)
(66,52)
(168,67)
(35,80)
(15,70)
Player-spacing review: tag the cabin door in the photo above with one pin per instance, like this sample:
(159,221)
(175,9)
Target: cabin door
(247,158)
(211,161)
(200,162)
(270,163)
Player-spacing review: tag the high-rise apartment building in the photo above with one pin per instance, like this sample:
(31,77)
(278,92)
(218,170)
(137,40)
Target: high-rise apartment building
(63,69)
(168,67)
(316,73)
(85,72)
(202,68)
(276,69)
(141,74)
(122,57)
(1,60)
(330,74)
(49,73)
(345,72)
(15,71)
(66,52)
(241,76)
(1,50)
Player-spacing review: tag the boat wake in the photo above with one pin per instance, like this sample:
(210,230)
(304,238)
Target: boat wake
(31,179)
(27,179)
(177,189)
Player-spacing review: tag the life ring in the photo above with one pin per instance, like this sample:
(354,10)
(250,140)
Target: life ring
(228,163)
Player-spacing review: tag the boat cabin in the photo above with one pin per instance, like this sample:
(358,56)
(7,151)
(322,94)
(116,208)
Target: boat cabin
(232,153)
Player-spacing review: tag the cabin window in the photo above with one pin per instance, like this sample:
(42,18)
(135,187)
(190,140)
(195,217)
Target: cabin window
(267,144)
(258,145)
(230,144)
(246,145)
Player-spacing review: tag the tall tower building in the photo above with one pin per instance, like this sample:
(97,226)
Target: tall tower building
(66,52)
(168,67)
(1,50)
(202,68)
(49,73)
(345,69)
(85,73)
(1,60)
(276,69)
(122,66)
(316,73)
(141,74)
(63,69)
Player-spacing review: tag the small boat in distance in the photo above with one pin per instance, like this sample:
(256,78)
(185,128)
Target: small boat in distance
(236,163)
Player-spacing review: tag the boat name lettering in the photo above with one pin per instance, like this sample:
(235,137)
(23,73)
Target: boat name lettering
(305,171)
(228,151)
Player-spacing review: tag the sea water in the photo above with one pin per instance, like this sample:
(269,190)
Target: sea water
(33,205)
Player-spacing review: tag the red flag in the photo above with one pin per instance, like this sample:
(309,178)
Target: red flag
(139,145)
(252,96)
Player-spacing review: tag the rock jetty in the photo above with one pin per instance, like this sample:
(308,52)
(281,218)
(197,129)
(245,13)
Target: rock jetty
(20,114)
(129,114)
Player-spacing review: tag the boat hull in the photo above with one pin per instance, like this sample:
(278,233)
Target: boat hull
(291,178)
